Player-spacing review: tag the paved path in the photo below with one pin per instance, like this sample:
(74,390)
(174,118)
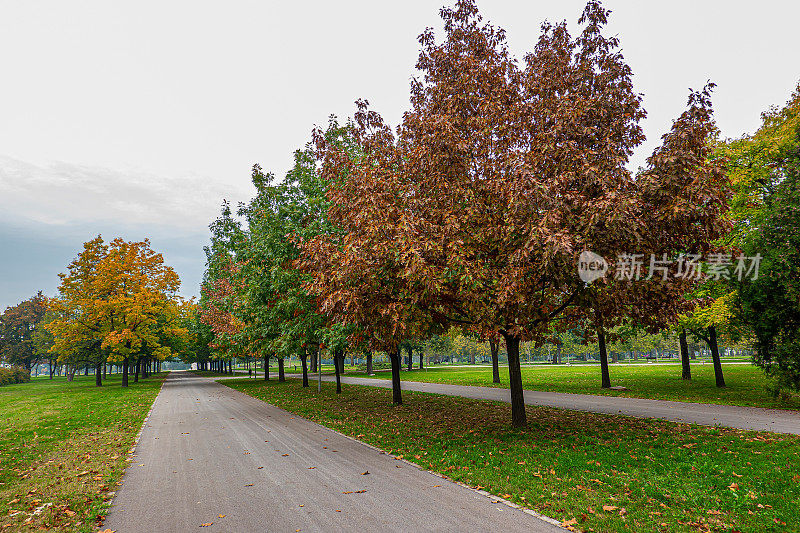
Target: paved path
(754,418)
(208,450)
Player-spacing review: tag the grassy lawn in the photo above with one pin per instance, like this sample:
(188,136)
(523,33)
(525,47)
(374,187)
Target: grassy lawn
(63,449)
(592,472)
(746,384)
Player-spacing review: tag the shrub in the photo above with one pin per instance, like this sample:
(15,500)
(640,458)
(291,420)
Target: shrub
(14,374)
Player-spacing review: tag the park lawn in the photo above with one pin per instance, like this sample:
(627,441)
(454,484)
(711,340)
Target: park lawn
(64,447)
(593,472)
(746,385)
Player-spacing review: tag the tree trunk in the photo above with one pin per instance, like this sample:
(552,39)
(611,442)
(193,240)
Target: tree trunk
(410,358)
(518,417)
(686,369)
(605,377)
(394,357)
(421,355)
(125,372)
(52,368)
(369,363)
(338,359)
(85,369)
(494,347)
(557,354)
(136,368)
(266,368)
(712,345)
(304,361)
(314,358)
(281,375)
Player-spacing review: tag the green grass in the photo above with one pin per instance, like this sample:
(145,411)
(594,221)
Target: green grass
(746,384)
(650,475)
(64,447)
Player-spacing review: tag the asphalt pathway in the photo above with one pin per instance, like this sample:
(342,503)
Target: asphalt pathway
(208,451)
(751,418)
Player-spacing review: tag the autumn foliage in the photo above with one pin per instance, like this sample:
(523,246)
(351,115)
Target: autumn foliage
(117,300)
(474,210)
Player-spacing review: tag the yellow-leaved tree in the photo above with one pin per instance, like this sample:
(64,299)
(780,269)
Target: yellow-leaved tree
(117,302)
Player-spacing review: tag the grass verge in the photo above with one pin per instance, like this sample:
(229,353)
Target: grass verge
(64,447)
(592,472)
(746,384)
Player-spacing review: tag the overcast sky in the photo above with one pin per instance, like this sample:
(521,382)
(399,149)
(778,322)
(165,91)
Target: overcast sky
(136,119)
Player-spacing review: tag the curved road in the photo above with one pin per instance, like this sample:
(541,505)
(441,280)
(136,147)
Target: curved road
(706,414)
(207,450)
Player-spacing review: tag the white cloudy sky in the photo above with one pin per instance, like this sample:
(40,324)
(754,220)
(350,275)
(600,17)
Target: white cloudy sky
(138,118)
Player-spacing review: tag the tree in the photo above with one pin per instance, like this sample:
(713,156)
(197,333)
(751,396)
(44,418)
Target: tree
(356,271)
(115,301)
(280,310)
(765,170)
(18,326)
(516,171)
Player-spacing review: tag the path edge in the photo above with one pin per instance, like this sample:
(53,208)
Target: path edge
(132,450)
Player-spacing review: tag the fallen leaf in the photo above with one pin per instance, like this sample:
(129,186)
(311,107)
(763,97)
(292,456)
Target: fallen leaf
(69,512)
(609,507)
(367,473)
(570,522)
(206,524)
(734,486)
(221,516)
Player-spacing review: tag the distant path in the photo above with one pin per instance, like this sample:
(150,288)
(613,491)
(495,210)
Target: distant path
(208,450)
(753,418)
